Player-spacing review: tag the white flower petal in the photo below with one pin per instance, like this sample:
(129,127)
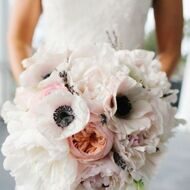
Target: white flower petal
(140,108)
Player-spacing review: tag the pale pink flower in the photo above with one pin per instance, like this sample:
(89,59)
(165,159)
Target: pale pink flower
(92,143)
(51,88)
(100,175)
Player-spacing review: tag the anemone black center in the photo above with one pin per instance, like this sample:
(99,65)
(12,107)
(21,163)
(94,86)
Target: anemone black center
(123,106)
(63,116)
(46,76)
(105,186)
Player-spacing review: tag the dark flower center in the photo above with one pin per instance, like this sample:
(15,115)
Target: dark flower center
(63,116)
(46,76)
(123,106)
(119,160)
(105,186)
(166,95)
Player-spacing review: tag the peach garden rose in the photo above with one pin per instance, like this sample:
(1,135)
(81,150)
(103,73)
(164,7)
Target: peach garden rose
(92,143)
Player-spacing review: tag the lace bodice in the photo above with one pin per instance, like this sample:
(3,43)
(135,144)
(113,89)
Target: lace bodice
(72,23)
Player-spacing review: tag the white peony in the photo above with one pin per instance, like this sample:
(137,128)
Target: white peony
(101,175)
(146,70)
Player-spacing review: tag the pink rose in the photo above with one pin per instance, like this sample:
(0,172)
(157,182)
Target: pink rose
(92,143)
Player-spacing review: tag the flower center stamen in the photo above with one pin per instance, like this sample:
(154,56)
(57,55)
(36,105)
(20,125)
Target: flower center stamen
(123,106)
(63,116)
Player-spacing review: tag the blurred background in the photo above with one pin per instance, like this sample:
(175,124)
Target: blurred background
(174,172)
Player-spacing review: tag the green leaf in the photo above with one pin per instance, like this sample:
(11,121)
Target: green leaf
(139,184)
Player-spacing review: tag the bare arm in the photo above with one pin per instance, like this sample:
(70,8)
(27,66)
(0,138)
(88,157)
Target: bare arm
(169,29)
(24,17)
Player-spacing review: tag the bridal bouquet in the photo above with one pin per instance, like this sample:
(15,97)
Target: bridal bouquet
(89,119)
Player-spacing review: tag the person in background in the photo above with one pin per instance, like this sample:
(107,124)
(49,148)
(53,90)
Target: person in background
(26,13)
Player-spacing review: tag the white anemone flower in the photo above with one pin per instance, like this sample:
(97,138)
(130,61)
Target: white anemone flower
(61,114)
(40,66)
(131,110)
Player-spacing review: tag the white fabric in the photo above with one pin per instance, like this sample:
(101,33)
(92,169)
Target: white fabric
(184,106)
(72,23)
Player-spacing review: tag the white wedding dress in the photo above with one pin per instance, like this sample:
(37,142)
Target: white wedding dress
(73,23)
(184,104)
